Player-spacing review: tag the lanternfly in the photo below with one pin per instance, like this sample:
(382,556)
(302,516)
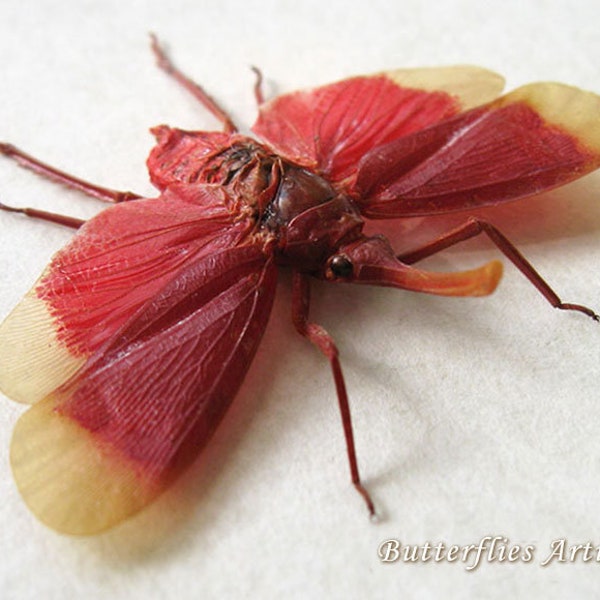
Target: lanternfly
(135,339)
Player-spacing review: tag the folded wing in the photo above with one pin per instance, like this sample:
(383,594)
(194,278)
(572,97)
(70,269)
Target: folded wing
(533,139)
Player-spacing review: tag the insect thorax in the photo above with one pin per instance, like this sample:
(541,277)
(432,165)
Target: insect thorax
(302,210)
(310,217)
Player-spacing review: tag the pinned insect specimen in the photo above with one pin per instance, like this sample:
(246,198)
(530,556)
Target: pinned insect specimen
(134,341)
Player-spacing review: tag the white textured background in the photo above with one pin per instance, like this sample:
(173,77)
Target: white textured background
(472,417)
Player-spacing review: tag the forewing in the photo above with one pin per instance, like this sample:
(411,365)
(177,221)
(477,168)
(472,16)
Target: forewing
(330,128)
(106,443)
(533,139)
(114,264)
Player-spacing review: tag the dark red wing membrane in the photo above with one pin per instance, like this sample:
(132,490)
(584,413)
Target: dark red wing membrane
(106,443)
(535,138)
(330,128)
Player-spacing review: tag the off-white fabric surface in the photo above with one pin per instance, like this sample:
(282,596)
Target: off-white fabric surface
(473,417)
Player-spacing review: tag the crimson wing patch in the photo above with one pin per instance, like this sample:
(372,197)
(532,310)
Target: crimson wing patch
(330,128)
(533,139)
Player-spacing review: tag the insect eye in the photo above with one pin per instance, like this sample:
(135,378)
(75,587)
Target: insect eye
(340,266)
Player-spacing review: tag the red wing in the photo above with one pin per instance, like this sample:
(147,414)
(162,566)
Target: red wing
(115,263)
(330,128)
(535,138)
(105,444)
(180,156)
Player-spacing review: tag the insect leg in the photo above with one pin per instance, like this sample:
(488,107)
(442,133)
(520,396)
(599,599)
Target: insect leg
(37,166)
(191,86)
(65,220)
(258,91)
(323,341)
(473,227)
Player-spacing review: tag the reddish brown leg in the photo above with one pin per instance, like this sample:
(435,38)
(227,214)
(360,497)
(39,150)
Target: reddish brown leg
(37,166)
(258,92)
(323,341)
(474,227)
(72,222)
(191,86)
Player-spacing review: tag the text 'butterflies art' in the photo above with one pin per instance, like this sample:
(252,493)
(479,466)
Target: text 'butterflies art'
(135,339)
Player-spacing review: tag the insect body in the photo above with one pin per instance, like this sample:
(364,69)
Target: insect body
(136,338)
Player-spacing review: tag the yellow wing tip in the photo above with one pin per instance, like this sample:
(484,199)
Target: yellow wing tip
(69,482)
(570,108)
(471,85)
(33,362)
